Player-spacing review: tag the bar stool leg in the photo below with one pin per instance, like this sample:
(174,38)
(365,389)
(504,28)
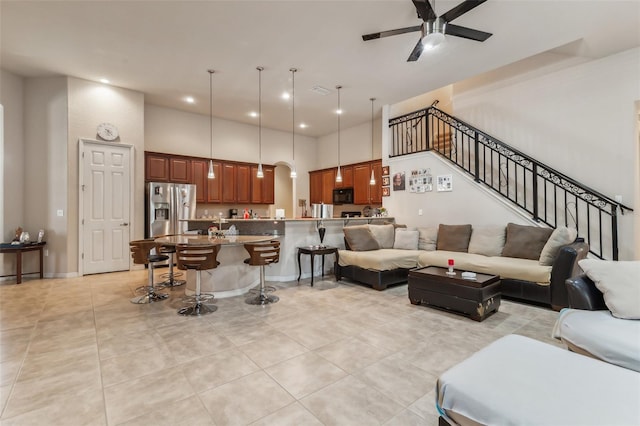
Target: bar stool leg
(262,298)
(200,305)
(151,295)
(170,280)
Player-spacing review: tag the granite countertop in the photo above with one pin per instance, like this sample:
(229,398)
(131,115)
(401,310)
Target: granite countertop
(297,219)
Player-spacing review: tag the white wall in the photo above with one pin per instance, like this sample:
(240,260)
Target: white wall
(355,145)
(178,132)
(46,173)
(12,176)
(580,120)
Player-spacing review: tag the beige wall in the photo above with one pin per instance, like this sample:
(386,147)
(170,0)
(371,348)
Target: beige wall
(12,160)
(179,132)
(355,145)
(90,104)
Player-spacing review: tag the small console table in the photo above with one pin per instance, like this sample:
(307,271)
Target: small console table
(313,251)
(18,249)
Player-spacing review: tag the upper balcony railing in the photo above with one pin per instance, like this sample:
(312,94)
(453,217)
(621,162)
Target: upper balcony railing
(546,194)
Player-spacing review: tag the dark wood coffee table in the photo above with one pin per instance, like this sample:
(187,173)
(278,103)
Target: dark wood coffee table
(477,298)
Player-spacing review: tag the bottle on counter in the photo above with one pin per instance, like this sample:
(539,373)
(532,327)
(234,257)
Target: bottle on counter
(245,215)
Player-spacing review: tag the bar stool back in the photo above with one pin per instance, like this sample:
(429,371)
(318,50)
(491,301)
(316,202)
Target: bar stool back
(263,254)
(198,257)
(141,254)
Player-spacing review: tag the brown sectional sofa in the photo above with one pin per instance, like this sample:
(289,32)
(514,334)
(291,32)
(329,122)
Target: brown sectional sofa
(532,262)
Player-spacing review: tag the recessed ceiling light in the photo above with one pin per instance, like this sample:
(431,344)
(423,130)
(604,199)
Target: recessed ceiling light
(303,126)
(338,111)
(104,81)
(253,114)
(285,95)
(189,99)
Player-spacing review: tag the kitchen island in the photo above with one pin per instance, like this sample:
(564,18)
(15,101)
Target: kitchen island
(233,277)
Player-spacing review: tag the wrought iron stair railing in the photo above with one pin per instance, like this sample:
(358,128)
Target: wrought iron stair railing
(546,194)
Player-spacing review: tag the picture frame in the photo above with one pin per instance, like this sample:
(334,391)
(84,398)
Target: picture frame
(386,191)
(385,170)
(386,181)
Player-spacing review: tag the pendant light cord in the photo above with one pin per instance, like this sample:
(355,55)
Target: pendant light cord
(211,113)
(372,99)
(293,114)
(260,113)
(339,114)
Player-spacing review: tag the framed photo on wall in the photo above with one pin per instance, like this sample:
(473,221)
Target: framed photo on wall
(386,191)
(385,170)
(386,181)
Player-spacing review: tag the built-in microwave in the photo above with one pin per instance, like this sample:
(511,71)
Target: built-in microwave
(343,196)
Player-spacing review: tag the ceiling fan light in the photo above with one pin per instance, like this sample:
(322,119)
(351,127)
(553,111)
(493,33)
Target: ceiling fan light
(432,40)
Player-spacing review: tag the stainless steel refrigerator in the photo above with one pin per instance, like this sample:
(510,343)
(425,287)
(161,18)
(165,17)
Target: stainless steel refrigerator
(167,205)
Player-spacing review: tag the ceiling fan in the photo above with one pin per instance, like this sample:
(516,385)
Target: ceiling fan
(434,27)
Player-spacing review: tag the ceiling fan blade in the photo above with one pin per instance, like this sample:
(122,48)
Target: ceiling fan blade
(425,11)
(464,32)
(391,32)
(461,9)
(416,52)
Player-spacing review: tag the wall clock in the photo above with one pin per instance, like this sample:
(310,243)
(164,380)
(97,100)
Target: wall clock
(108,131)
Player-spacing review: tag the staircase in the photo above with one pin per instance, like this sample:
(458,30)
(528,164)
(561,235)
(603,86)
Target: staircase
(547,195)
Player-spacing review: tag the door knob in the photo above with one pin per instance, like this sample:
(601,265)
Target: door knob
(124,224)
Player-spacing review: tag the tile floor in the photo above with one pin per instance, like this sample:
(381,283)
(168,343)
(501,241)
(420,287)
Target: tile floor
(76,352)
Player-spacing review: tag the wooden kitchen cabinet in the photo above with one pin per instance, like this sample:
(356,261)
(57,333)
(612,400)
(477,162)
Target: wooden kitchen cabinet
(347,177)
(207,190)
(363,192)
(228,183)
(315,187)
(243,183)
(179,169)
(262,189)
(328,183)
(156,167)
(375,191)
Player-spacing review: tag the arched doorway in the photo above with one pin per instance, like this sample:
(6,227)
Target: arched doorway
(285,190)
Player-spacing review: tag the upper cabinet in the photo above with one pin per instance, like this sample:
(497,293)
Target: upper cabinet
(363,191)
(234,183)
(347,177)
(156,167)
(356,176)
(315,187)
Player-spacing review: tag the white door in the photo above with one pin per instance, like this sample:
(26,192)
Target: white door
(106,197)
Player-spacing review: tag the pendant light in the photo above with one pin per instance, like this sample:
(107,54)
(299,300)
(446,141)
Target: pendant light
(339,112)
(293,123)
(260,174)
(372,181)
(211,175)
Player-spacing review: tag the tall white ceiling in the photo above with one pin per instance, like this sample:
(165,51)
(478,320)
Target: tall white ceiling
(164,48)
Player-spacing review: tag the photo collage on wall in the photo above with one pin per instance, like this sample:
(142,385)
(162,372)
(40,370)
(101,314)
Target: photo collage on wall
(385,181)
(421,181)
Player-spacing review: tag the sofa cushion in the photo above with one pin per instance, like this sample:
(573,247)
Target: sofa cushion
(505,268)
(453,237)
(360,238)
(428,238)
(619,282)
(406,240)
(600,335)
(525,242)
(384,235)
(487,240)
(559,237)
(379,260)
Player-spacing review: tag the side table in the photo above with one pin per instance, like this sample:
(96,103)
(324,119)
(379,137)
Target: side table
(313,251)
(18,249)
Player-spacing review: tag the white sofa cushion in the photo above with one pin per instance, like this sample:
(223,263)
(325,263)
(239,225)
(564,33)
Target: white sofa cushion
(428,238)
(379,260)
(487,240)
(406,240)
(559,237)
(619,283)
(601,335)
(504,267)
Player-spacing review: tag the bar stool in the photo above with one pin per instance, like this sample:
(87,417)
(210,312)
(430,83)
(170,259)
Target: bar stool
(141,255)
(262,254)
(198,257)
(170,277)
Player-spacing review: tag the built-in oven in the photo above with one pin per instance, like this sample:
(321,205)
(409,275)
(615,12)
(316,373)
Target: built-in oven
(343,196)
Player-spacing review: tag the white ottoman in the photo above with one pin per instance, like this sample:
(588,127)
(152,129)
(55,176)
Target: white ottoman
(517,380)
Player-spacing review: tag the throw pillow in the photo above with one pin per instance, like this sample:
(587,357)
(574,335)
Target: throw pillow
(384,235)
(406,240)
(428,238)
(487,240)
(525,242)
(360,238)
(454,237)
(559,237)
(619,283)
